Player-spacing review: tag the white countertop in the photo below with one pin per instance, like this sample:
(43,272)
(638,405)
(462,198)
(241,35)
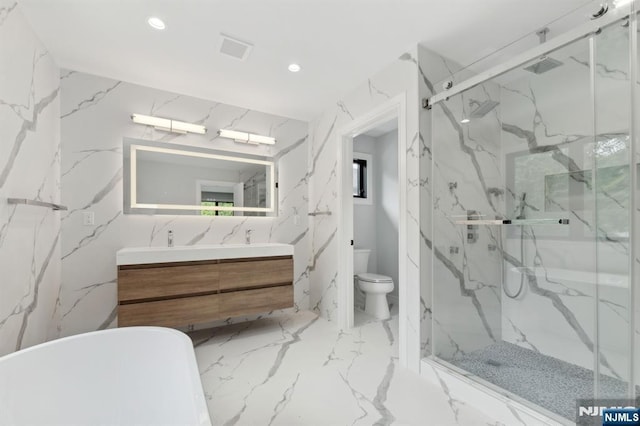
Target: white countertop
(142,255)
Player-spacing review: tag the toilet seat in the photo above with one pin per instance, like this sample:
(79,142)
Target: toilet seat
(374,278)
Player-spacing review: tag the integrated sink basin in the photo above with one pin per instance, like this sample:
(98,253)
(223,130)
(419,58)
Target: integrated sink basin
(143,255)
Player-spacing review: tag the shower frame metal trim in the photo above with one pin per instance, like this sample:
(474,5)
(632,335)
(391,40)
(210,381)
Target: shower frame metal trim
(583,31)
(594,195)
(633,225)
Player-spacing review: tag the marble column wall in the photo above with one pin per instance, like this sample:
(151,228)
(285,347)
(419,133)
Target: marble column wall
(401,76)
(29,168)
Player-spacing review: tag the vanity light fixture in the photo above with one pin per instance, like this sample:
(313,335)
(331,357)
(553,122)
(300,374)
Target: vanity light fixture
(244,137)
(168,125)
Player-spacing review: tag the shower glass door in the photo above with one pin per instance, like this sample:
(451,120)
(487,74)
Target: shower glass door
(531,178)
(612,181)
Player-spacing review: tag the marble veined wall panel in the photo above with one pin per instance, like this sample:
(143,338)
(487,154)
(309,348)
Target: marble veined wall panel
(29,168)
(95,117)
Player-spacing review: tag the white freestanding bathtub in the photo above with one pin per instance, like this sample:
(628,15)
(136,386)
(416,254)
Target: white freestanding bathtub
(122,376)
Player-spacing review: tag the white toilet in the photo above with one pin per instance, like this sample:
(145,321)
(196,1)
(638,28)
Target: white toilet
(374,286)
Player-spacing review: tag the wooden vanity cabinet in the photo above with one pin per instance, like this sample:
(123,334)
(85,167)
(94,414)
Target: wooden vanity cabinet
(181,293)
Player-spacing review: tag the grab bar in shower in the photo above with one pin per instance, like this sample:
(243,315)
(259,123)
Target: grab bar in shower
(513,222)
(28,202)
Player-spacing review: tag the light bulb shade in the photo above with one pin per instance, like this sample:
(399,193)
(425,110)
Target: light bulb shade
(187,127)
(245,137)
(261,139)
(234,134)
(148,120)
(168,125)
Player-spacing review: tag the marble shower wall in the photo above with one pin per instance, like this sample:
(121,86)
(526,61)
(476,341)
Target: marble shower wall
(467,183)
(552,111)
(541,130)
(435,69)
(547,133)
(399,77)
(29,168)
(95,117)
(428,75)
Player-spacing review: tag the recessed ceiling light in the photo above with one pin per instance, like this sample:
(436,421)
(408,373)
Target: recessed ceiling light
(156,23)
(294,67)
(465,121)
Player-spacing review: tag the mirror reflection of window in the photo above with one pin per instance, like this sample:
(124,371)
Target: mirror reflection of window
(219,194)
(216,199)
(359,178)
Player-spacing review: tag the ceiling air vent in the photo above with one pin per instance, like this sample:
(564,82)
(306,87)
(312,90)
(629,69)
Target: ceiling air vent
(235,48)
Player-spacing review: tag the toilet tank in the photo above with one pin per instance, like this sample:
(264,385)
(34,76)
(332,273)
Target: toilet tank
(360,260)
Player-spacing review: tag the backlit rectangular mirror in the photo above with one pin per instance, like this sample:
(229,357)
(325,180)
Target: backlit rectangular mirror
(161,178)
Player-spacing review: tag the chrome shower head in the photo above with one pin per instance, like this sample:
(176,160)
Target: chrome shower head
(543,65)
(483,108)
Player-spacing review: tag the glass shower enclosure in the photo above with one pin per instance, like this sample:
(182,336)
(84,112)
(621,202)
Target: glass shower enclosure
(532,226)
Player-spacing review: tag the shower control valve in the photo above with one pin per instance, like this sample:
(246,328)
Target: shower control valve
(472,230)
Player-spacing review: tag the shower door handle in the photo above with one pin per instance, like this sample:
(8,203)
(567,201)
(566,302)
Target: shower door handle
(482,222)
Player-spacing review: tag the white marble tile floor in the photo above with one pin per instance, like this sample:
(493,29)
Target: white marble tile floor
(297,369)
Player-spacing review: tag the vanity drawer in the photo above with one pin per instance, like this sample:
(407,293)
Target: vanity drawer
(237,275)
(159,282)
(171,313)
(250,302)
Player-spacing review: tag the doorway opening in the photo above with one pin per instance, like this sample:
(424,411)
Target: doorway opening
(375,225)
(372,225)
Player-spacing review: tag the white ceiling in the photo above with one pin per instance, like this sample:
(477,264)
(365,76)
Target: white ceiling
(338,43)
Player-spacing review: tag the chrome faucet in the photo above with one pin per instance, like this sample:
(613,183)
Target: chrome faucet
(247,236)
(170,238)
